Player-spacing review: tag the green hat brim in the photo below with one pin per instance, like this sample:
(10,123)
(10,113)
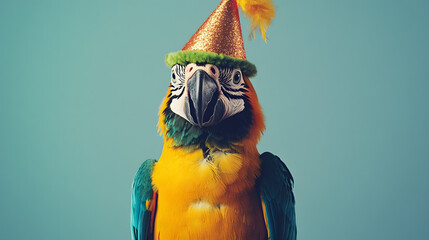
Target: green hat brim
(185,57)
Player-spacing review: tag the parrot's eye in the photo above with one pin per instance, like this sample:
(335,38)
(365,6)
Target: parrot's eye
(237,78)
(173,77)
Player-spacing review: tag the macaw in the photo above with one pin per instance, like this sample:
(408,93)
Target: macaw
(210,181)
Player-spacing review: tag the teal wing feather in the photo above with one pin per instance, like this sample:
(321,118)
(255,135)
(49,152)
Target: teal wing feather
(276,184)
(142,191)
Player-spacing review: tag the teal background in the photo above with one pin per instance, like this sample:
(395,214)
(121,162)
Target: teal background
(344,86)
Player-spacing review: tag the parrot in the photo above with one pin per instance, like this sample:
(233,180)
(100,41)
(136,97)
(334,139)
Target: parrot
(210,181)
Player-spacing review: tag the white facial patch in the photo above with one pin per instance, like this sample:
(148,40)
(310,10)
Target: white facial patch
(233,91)
(179,93)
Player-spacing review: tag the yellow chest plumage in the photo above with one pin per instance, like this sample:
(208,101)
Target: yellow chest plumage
(210,197)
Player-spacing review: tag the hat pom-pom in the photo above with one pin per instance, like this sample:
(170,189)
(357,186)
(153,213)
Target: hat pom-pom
(260,13)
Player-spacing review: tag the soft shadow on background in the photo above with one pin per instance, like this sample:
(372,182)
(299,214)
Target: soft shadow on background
(343,84)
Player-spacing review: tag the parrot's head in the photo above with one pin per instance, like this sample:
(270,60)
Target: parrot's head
(210,101)
(210,105)
(205,95)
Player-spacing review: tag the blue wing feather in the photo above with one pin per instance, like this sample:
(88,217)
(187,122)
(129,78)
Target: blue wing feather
(276,184)
(141,192)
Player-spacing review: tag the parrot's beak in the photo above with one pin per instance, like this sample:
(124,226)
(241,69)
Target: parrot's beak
(203,107)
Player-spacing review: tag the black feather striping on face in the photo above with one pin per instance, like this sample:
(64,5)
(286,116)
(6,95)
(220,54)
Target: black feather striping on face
(180,94)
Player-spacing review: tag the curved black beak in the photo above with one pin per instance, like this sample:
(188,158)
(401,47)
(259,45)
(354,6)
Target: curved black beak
(203,107)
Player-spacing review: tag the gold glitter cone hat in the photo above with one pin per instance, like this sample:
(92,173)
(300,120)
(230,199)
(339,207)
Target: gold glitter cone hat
(220,33)
(219,40)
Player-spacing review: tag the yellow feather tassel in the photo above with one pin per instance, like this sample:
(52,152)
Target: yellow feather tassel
(260,13)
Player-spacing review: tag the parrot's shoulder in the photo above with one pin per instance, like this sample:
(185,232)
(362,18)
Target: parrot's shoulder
(274,173)
(275,185)
(143,206)
(143,179)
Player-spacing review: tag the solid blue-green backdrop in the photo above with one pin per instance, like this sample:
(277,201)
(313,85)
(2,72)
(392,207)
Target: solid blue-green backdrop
(343,84)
